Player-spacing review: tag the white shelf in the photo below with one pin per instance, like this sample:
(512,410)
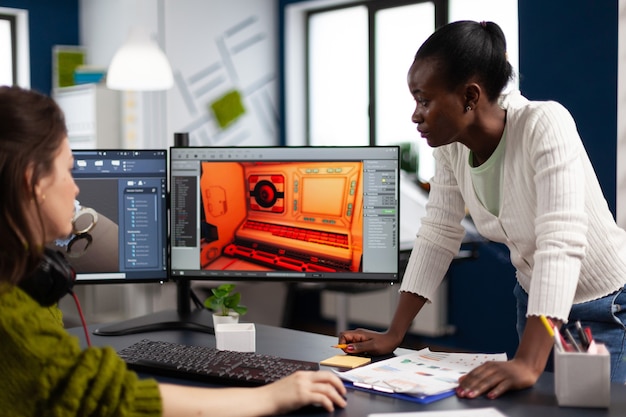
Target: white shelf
(92,115)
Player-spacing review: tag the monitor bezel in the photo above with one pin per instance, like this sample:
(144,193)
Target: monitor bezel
(343,278)
(162,277)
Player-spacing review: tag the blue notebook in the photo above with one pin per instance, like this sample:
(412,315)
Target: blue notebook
(424,399)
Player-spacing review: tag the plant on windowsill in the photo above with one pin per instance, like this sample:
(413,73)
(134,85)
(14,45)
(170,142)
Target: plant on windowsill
(225,304)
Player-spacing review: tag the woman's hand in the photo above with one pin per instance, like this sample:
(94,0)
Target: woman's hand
(370,342)
(383,343)
(495,378)
(321,388)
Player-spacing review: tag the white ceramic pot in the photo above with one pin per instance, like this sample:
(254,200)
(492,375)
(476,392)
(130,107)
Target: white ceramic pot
(232,317)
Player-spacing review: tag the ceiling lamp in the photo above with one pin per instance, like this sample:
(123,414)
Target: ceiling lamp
(139,65)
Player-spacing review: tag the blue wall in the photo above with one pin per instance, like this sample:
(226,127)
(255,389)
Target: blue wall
(568,53)
(51,22)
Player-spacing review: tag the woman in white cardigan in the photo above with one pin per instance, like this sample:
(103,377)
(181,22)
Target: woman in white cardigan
(521,170)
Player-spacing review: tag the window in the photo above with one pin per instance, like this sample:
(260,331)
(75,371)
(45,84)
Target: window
(399,33)
(338,77)
(8,58)
(355,67)
(14,50)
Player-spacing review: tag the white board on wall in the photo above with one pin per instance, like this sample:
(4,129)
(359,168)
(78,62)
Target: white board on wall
(223,55)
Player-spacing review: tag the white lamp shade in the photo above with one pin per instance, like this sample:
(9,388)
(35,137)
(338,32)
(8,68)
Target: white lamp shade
(139,65)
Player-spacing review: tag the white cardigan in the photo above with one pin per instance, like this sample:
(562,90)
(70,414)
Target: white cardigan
(554,219)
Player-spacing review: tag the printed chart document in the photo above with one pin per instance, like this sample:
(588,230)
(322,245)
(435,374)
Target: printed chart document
(477,412)
(420,374)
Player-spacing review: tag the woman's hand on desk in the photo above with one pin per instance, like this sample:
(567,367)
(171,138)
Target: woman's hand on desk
(383,343)
(321,388)
(369,342)
(495,378)
(302,388)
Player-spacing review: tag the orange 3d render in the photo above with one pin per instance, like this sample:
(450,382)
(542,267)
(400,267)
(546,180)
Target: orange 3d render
(296,216)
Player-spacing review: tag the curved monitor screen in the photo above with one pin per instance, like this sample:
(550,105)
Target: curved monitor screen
(285,213)
(120,222)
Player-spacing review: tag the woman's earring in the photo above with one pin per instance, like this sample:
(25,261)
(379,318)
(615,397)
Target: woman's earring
(468,108)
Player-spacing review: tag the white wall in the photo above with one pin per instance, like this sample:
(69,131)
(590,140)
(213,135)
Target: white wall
(214,46)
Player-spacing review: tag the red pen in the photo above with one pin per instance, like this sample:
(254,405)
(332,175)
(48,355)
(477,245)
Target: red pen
(588,335)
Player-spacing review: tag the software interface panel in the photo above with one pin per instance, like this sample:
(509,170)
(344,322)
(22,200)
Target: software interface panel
(120,222)
(303,213)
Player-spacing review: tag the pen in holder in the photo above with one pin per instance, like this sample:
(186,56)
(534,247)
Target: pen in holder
(583,379)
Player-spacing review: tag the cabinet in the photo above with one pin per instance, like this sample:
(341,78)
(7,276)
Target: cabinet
(92,115)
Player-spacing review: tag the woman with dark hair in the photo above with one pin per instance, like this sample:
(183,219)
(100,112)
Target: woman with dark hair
(44,370)
(521,170)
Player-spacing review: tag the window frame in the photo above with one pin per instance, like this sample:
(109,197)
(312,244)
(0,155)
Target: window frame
(20,45)
(293,77)
(12,19)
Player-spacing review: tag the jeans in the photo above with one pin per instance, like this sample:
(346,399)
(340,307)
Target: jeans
(606,317)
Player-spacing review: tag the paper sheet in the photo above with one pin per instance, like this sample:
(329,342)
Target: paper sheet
(419,373)
(477,412)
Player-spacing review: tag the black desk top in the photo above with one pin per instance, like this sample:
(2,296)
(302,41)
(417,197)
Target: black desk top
(537,401)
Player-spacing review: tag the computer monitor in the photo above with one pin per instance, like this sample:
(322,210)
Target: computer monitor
(120,224)
(302,214)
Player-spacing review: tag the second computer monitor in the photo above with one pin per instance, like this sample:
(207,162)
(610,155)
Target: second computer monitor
(120,220)
(285,213)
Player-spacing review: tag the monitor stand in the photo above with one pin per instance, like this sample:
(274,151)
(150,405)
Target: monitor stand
(198,320)
(183,318)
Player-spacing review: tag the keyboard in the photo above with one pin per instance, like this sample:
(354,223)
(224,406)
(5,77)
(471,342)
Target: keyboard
(209,364)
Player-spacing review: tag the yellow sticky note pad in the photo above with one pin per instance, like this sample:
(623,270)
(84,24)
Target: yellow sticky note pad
(346,361)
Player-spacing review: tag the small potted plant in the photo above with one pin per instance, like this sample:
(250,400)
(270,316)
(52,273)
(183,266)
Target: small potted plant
(224,303)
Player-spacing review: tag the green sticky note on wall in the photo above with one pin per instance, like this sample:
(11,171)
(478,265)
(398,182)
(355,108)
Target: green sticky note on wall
(67,62)
(228,108)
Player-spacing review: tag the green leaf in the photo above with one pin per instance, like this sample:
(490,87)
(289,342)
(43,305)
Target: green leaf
(241,310)
(222,301)
(232,300)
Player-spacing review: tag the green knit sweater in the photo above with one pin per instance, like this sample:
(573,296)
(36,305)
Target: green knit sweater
(46,373)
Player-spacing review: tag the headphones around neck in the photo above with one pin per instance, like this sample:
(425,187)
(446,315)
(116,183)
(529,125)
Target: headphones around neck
(53,279)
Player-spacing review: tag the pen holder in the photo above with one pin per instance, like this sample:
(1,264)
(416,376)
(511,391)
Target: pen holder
(583,379)
(239,337)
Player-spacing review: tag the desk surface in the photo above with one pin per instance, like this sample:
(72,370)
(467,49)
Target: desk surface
(538,401)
